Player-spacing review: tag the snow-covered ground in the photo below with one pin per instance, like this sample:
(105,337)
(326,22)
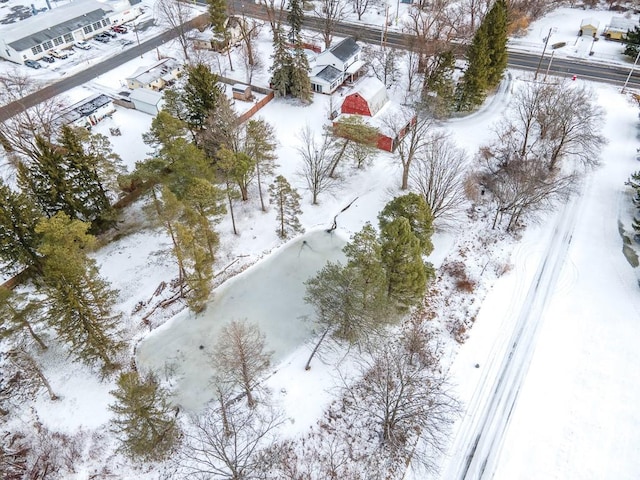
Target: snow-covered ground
(575,413)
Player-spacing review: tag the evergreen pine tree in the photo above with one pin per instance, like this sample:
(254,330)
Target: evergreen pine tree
(79,302)
(144,420)
(634,182)
(200,95)
(46,180)
(260,145)
(281,67)
(295,17)
(632,42)
(18,239)
(472,88)
(19,315)
(287,203)
(438,92)
(402,258)
(300,81)
(496,23)
(89,194)
(364,261)
(217,15)
(414,208)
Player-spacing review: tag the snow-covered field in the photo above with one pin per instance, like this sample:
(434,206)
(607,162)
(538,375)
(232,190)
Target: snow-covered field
(577,385)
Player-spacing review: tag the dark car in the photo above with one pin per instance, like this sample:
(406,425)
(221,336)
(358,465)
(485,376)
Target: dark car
(101,38)
(109,34)
(32,64)
(48,59)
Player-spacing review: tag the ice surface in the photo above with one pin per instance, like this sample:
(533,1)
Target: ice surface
(269,293)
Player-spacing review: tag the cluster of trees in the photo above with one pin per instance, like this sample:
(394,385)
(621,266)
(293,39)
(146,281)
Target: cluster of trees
(384,274)
(290,68)
(487,59)
(540,150)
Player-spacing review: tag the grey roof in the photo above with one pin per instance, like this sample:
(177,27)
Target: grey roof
(57,29)
(346,49)
(329,74)
(146,95)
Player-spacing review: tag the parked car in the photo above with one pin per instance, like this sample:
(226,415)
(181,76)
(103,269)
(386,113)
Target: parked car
(101,38)
(82,45)
(119,29)
(59,54)
(48,58)
(109,34)
(32,64)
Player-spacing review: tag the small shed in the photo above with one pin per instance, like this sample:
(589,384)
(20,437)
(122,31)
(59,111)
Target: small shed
(147,100)
(241,91)
(589,27)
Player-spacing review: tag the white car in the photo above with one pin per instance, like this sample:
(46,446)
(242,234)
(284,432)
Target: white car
(59,53)
(82,45)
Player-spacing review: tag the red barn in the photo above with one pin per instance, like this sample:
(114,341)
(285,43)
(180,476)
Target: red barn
(370,101)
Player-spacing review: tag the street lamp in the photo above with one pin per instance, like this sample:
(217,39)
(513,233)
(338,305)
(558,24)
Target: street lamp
(631,72)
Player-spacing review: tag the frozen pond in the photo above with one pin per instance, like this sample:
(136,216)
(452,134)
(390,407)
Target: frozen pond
(270,293)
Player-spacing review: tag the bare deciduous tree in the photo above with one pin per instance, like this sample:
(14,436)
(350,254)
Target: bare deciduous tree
(18,133)
(240,356)
(408,149)
(232,449)
(360,7)
(175,14)
(438,174)
(331,12)
(407,402)
(276,14)
(316,162)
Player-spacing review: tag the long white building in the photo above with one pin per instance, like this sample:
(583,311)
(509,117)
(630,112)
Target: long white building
(61,27)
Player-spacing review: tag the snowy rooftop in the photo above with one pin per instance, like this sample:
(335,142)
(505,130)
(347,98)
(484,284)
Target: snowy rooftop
(153,72)
(48,25)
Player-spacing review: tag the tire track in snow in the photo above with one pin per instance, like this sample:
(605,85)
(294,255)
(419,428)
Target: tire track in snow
(483,431)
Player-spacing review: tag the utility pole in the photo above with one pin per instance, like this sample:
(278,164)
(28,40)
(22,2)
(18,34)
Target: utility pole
(546,41)
(630,72)
(548,66)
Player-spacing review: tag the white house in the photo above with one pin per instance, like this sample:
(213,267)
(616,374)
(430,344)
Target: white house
(59,28)
(147,101)
(156,76)
(344,60)
(89,111)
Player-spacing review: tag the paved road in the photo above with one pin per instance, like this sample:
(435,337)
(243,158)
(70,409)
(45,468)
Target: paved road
(371,34)
(86,75)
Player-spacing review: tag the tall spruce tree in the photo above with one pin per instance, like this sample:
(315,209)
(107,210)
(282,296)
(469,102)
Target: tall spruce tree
(300,81)
(295,17)
(286,200)
(144,419)
(496,23)
(18,239)
(46,180)
(79,303)
(281,66)
(402,259)
(472,88)
(439,87)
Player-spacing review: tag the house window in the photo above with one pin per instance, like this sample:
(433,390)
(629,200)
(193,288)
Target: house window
(47,45)
(68,37)
(36,50)
(105,22)
(96,26)
(316,87)
(87,29)
(58,41)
